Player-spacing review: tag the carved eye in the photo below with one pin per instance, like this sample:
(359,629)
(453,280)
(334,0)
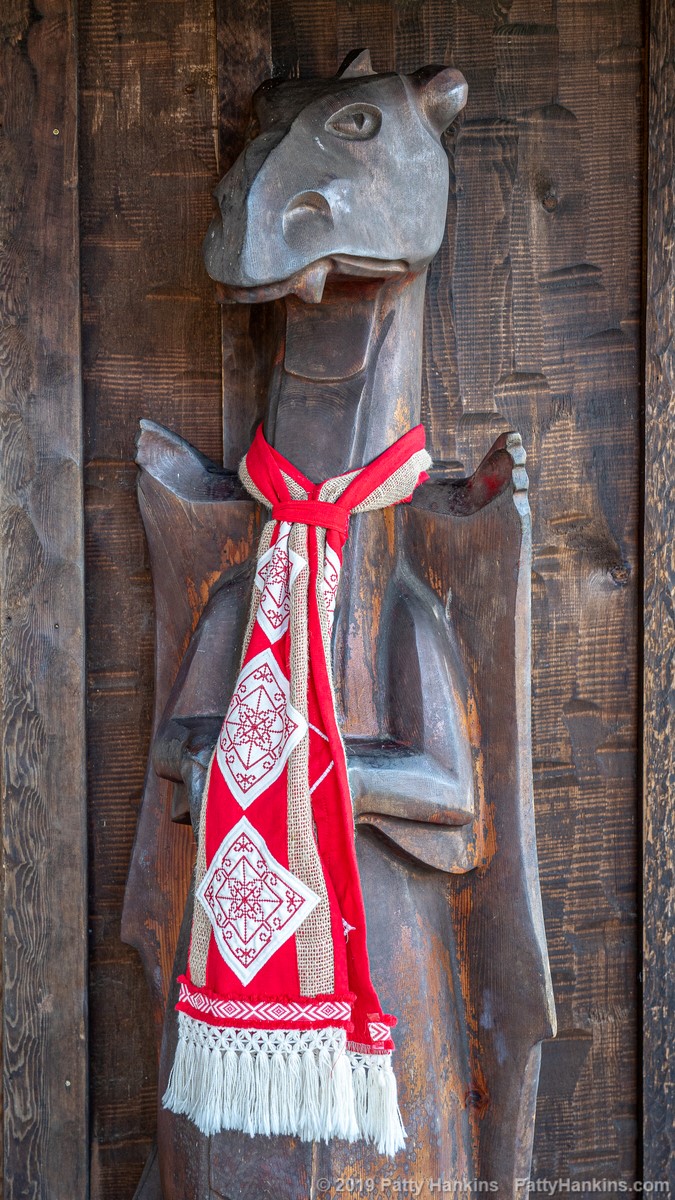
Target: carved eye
(356,122)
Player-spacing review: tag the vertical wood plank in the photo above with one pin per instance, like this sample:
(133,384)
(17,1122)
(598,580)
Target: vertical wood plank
(545,291)
(659,609)
(151,348)
(42,612)
(244,60)
(367,26)
(309,27)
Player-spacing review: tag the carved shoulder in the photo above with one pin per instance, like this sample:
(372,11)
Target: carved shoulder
(502,467)
(182,469)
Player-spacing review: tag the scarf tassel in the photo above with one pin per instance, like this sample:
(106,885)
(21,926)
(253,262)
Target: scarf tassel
(306,1089)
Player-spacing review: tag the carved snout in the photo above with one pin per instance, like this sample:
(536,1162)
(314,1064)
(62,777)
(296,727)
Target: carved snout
(306,214)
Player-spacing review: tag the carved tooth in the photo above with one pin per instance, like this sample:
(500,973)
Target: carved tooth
(310,285)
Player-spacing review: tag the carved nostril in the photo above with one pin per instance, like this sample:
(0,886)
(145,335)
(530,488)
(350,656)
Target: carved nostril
(307,211)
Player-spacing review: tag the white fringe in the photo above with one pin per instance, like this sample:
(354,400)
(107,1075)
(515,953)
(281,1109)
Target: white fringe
(303,1083)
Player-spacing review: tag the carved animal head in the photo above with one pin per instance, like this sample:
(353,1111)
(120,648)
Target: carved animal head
(346,175)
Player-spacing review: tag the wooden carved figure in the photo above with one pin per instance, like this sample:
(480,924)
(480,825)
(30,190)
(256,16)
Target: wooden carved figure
(413,632)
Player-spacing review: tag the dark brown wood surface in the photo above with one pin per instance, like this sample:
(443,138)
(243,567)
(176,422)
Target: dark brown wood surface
(151,346)
(44,859)
(532,321)
(659,617)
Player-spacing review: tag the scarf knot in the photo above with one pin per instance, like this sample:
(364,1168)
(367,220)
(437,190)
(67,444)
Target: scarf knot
(318,513)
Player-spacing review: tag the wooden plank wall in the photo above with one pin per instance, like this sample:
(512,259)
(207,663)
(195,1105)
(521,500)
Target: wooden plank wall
(44,841)
(659,618)
(532,321)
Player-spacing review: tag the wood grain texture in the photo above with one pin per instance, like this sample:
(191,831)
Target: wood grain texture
(44,1024)
(151,346)
(659,617)
(244,61)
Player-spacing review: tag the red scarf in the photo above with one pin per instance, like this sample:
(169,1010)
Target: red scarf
(280,1027)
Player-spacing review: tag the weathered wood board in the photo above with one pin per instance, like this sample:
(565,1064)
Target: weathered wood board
(42,686)
(151,345)
(659,620)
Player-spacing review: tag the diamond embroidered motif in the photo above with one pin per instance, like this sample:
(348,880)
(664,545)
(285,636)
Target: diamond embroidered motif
(276,573)
(260,729)
(253,903)
(329,583)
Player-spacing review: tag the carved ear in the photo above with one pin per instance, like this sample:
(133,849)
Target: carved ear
(356,63)
(441,94)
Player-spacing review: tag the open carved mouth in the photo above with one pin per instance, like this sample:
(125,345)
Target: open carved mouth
(308,284)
